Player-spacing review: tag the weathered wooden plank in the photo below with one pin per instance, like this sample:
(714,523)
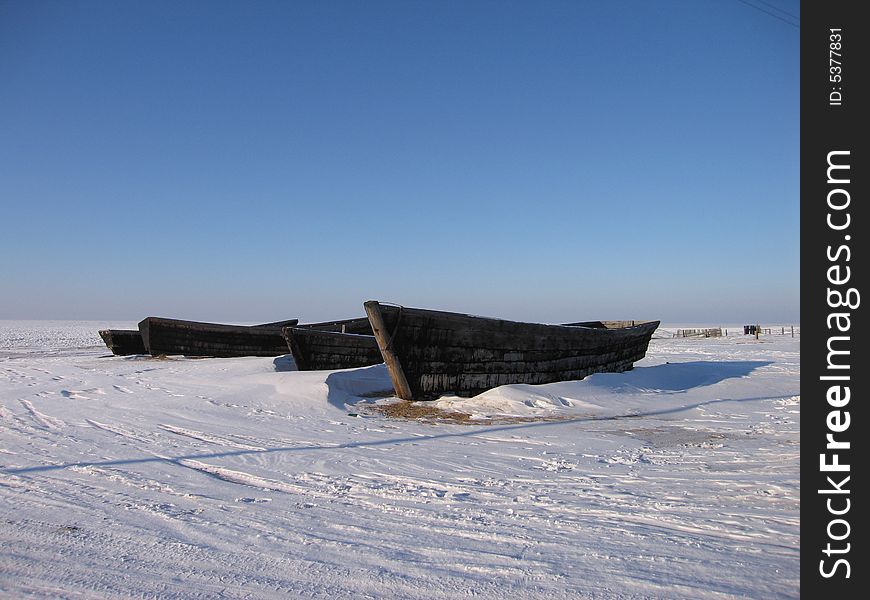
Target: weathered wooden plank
(471,384)
(358,325)
(317,350)
(566,363)
(464,354)
(191,338)
(384,339)
(279,324)
(123,342)
(436,352)
(500,336)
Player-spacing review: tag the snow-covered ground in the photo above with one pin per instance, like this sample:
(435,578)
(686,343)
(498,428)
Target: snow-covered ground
(242,478)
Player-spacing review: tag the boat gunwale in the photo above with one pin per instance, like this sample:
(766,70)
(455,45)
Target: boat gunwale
(307,331)
(204,326)
(567,326)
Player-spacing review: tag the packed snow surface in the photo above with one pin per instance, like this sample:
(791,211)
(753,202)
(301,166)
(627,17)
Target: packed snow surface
(244,478)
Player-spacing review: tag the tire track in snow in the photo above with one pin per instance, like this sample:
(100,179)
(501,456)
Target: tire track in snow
(12,482)
(240,477)
(212,439)
(315,486)
(16,423)
(117,430)
(132,480)
(43,419)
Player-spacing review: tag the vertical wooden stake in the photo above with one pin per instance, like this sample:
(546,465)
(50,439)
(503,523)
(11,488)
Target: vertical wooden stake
(397,375)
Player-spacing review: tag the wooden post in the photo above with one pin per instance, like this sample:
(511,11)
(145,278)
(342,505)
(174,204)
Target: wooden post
(757,330)
(397,375)
(792,331)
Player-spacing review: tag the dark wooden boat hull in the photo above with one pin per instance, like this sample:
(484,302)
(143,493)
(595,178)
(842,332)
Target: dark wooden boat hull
(429,353)
(123,342)
(190,338)
(318,350)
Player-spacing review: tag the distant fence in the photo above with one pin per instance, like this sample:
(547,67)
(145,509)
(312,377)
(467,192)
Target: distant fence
(754,330)
(758,329)
(714,332)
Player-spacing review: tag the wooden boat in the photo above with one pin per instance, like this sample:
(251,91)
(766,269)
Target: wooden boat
(331,345)
(123,342)
(323,350)
(430,352)
(190,338)
(359,325)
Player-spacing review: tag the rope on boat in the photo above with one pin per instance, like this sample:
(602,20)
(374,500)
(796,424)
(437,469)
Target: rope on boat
(395,329)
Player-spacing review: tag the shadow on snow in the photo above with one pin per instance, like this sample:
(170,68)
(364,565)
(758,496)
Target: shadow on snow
(676,377)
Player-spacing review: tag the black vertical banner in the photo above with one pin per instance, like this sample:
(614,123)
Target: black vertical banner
(834,225)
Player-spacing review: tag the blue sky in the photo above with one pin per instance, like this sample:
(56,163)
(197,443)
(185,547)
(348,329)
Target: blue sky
(252,161)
